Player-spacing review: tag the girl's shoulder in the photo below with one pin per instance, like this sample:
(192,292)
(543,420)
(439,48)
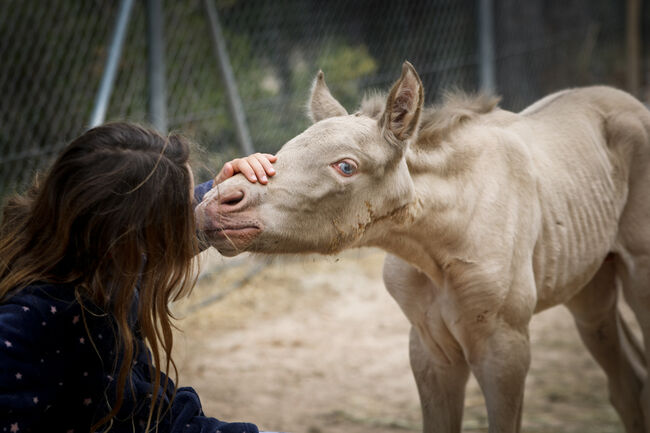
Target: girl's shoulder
(36,313)
(44,312)
(50,363)
(43,300)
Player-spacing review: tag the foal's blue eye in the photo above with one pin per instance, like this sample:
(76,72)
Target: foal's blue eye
(346,167)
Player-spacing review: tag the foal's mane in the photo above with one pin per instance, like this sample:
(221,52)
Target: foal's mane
(441,119)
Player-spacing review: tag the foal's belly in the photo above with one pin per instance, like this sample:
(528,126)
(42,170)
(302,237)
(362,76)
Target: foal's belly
(576,237)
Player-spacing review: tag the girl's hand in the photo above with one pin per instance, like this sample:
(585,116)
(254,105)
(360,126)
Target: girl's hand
(255,167)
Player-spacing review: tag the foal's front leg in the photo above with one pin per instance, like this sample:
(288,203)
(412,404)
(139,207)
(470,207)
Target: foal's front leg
(493,331)
(500,363)
(437,360)
(441,386)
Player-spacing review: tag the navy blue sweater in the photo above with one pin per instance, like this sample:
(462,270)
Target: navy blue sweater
(58,370)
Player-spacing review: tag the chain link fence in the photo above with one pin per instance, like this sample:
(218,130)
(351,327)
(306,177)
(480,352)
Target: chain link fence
(54,52)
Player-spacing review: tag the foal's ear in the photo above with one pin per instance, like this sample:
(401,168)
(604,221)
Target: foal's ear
(403,106)
(322,104)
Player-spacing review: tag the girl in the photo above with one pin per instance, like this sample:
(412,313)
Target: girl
(90,259)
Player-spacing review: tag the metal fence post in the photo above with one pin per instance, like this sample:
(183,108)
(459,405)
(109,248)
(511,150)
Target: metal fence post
(487,62)
(633,46)
(110,70)
(234,101)
(157,100)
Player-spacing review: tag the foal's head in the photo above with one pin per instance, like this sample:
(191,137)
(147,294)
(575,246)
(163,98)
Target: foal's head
(339,184)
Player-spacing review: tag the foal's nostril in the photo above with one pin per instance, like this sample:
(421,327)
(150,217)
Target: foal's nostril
(231,199)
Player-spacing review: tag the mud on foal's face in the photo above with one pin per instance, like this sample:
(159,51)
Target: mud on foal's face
(337,185)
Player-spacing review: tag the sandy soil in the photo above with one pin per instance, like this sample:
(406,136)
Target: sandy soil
(316,344)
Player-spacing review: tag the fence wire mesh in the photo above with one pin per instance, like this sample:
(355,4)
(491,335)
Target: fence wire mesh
(53,56)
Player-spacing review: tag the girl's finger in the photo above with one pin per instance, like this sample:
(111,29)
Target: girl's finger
(269,156)
(226,172)
(258,168)
(266,163)
(245,168)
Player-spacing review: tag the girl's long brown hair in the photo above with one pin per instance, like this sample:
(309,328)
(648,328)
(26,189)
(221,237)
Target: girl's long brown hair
(113,214)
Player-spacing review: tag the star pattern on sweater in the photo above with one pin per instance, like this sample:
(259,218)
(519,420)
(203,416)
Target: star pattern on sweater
(46,327)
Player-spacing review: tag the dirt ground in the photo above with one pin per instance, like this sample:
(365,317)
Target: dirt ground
(315,344)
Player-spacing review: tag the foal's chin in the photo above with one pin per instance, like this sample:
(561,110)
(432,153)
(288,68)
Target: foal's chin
(230,242)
